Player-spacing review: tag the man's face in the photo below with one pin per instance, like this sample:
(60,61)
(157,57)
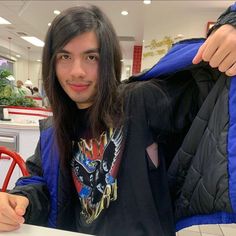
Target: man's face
(77,67)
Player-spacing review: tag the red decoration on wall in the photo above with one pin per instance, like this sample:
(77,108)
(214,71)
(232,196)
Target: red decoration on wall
(137,59)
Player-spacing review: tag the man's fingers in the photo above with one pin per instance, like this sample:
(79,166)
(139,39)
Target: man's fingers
(12,209)
(232,70)
(8,227)
(21,203)
(198,56)
(7,213)
(5,220)
(220,57)
(227,63)
(209,51)
(6,209)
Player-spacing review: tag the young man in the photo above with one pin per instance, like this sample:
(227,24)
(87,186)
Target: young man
(99,167)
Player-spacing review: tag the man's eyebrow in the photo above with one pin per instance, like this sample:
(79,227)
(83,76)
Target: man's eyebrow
(62,51)
(92,50)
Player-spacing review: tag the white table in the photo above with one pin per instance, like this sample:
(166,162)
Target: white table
(32,230)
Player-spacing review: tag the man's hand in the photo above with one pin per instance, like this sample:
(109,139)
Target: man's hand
(12,210)
(220,50)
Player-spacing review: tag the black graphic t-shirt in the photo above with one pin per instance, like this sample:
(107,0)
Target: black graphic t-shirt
(95,164)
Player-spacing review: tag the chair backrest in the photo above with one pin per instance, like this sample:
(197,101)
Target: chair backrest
(16,160)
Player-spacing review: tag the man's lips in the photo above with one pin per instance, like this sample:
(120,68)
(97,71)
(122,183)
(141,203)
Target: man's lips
(79,87)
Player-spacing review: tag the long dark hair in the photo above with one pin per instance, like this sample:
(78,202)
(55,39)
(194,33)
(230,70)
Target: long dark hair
(107,108)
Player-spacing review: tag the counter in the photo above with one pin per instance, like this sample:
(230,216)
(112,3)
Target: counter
(20,134)
(29,125)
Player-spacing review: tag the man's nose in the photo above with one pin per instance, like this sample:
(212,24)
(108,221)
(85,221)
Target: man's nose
(77,68)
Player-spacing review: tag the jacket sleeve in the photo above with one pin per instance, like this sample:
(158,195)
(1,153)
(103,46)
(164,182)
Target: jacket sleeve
(228,17)
(35,189)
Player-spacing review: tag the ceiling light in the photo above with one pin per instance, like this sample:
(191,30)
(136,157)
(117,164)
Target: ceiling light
(33,40)
(38,60)
(147,2)
(49,24)
(56,12)
(4,21)
(18,55)
(124,13)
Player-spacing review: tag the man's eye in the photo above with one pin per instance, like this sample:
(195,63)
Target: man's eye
(92,58)
(65,57)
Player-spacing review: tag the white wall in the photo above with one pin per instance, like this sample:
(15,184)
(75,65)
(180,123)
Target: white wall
(178,19)
(21,71)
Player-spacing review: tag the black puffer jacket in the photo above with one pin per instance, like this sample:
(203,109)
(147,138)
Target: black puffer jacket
(202,174)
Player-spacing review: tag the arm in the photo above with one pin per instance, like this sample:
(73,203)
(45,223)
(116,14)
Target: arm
(28,202)
(219,48)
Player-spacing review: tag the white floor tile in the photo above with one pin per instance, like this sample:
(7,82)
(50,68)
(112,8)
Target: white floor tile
(211,229)
(194,228)
(188,233)
(228,231)
(204,234)
(228,225)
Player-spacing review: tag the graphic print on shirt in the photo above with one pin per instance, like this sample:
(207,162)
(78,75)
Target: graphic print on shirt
(95,165)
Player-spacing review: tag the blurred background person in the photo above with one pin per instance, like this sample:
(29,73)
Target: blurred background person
(21,89)
(36,92)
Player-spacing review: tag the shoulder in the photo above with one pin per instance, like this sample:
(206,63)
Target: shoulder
(149,96)
(143,88)
(46,123)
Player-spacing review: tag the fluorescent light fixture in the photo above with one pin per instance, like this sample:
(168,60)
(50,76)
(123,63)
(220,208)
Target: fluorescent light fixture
(33,40)
(4,21)
(56,12)
(147,2)
(124,13)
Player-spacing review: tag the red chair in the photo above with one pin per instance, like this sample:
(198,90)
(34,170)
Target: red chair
(5,153)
